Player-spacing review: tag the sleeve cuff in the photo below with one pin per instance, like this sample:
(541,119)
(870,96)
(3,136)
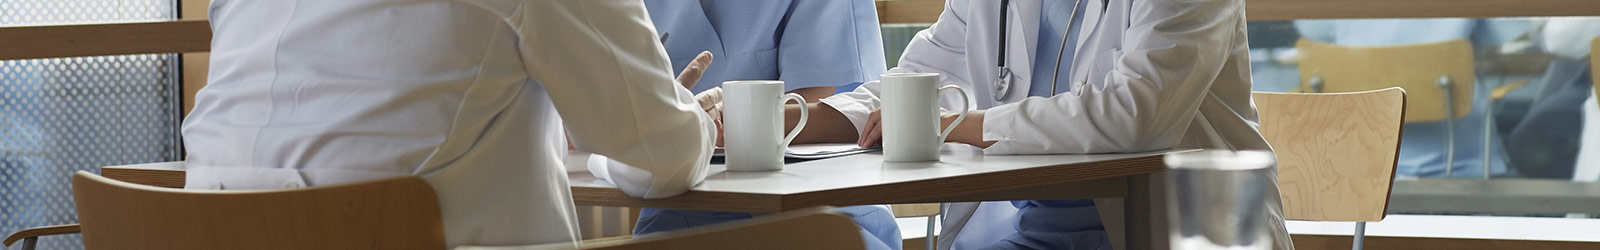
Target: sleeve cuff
(851,108)
(998,127)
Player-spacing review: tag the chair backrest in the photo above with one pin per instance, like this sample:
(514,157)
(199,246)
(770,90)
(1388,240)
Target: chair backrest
(1416,68)
(397,213)
(819,228)
(914,210)
(1336,152)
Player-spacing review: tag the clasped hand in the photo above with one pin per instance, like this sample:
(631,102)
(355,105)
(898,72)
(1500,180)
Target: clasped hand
(710,100)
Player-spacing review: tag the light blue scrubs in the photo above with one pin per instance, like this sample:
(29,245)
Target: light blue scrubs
(805,43)
(1042,224)
(1423,145)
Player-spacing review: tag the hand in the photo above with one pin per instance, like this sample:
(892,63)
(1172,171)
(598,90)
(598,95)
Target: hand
(969,131)
(691,73)
(872,133)
(711,101)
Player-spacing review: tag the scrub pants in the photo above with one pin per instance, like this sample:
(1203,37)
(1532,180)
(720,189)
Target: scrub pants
(1055,224)
(877,224)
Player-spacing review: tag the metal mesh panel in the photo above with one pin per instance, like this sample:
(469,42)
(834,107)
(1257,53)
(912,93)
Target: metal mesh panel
(46,12)
(62,115)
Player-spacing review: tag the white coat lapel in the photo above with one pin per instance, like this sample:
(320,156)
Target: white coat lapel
(1025,39)
(1084,53)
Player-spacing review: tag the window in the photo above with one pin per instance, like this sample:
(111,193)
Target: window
(62,115)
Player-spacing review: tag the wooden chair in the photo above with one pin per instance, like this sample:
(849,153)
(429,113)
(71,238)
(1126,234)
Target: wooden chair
(1336,152)
(1438,77)
(397,213)
(929,210)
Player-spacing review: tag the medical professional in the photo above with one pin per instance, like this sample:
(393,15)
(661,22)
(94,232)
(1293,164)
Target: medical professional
(1132,76)
(811,45)
(472,96)
(1424,148)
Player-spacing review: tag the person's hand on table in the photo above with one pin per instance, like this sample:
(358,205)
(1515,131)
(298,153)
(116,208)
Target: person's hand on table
(970,131)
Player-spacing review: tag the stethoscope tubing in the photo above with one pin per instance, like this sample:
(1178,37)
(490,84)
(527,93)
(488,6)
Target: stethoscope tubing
(1003,78)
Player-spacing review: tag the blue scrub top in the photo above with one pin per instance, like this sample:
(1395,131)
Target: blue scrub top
(1051,24)
(830,43)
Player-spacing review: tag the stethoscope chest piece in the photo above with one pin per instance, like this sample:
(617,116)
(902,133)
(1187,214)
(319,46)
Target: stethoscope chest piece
(1002,87)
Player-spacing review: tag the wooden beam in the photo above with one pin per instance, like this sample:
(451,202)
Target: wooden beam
(193,33)
(29,42)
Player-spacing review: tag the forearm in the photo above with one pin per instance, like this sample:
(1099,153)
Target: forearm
(970,131)
(825,125)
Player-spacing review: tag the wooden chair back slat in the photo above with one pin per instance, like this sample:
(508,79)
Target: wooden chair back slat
(1336,152)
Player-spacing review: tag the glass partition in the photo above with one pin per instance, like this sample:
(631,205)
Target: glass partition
(1518,93)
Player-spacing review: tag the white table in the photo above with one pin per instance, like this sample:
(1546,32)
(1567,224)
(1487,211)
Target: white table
(963,174)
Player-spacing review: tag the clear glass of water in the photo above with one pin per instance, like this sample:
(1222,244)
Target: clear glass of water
(1215,199)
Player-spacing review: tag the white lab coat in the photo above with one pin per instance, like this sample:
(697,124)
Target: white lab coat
(469,95)
(1149,75)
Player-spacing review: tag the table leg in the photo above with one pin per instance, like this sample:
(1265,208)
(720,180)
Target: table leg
(1136,213)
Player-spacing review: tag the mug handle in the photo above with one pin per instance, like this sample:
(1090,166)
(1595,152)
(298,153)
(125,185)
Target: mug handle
(803,116)
(965,104)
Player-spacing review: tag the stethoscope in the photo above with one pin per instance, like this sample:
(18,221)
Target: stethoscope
(1002,87)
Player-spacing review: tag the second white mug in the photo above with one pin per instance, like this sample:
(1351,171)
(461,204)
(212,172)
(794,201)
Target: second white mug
(752,123)
(910,116)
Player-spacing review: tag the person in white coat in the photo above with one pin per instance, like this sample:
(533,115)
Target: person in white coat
(1135,75)
(472,96)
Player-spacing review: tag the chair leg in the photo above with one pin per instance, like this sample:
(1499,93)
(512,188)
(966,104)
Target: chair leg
(928,238)
(1360,235)
(30,243)
(943,209)
(1488,128)
(1449,126)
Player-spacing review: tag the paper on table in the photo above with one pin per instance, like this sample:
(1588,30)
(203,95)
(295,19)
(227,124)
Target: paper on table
(808,149)
(825,150)
(805,152)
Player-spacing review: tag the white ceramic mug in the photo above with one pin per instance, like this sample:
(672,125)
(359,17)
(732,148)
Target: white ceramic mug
(752,123)
(910,116)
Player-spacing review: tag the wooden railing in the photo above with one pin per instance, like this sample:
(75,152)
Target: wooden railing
(30,42)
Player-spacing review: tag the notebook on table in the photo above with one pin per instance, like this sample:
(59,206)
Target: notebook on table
(807,152)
